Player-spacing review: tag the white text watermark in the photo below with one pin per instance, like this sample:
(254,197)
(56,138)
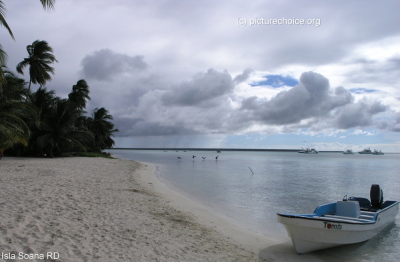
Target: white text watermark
(278,21)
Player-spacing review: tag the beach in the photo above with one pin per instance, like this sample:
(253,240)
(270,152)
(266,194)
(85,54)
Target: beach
(96,209)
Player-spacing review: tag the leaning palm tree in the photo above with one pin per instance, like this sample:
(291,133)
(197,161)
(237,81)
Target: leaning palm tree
(103,129)
(39,60)
(47,4)
(79,95)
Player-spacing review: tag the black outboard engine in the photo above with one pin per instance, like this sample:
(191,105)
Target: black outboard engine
(376,195)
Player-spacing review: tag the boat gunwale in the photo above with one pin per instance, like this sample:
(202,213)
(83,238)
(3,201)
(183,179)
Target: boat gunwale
(321,218)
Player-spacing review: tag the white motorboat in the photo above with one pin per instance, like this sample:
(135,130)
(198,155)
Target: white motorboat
(376,152)
(348,152)
(310,151)
(349,221)
(365,151)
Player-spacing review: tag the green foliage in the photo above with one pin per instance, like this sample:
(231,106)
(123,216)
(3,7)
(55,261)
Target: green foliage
(39,60)
(40,123)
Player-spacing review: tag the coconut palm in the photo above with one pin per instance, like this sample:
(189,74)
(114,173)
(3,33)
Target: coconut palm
(13,87)
(39,60)
(58,132)
(47,4)
(102,128)
(13,112)
(79,95)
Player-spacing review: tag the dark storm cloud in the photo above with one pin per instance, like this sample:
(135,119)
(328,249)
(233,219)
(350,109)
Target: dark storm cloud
(142,127)
(200,89)
(105,64)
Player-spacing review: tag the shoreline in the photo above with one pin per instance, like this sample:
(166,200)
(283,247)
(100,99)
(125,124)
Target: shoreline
(115,210)
(264,247)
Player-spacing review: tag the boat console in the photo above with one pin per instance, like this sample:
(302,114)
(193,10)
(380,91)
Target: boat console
(348,209)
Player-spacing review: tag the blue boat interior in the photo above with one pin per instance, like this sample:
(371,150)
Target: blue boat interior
(352,209)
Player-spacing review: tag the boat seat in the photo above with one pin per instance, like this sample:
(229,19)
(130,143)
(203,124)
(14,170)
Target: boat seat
(348,209)
(365,204)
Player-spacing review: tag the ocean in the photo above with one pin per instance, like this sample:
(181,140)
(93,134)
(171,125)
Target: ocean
(250,187)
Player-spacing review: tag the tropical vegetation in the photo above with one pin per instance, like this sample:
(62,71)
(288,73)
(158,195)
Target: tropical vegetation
(40,123)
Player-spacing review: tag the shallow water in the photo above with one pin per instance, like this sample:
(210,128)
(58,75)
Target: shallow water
(251,187)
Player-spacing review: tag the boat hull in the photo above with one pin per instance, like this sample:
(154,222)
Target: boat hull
(310,233)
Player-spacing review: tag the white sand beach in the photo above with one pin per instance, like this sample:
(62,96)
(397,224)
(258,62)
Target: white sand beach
(95,209)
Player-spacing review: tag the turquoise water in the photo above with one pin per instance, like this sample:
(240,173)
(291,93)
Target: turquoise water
(251,187)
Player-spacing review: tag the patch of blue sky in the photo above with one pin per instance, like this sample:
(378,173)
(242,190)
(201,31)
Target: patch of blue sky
(276,81)
(361,90)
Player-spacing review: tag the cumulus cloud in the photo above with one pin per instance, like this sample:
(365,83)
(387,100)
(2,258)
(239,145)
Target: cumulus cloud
(205,104)
(311,98)
(243,76)
(357,114)
(200,89)
(105,64)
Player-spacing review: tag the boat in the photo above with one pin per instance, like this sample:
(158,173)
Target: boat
(376,152)
(348,152)
(301,151)
(366,151)
(352,220)
(310,151)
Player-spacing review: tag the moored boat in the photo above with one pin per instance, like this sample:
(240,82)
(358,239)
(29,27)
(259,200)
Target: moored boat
(349,221)
(366,151)
(376,152)
(348,152)
(310,151)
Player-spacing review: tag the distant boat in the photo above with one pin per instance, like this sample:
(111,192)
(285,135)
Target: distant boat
(348,152)
(350,221)
(310,151)
(376,152)
(366,151)
(301,151)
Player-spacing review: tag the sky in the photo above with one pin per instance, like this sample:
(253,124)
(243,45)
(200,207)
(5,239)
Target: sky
(226,74)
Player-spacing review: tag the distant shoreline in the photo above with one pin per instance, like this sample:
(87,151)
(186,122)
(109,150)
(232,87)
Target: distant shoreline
(216,149)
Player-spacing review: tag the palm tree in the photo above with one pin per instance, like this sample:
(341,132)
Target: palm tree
(58,132)
(12,87)
(102,128)
(13,112)
(79,95)
(47,4)
(39,60)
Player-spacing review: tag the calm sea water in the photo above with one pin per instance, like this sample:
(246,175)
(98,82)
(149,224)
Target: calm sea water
(251,187)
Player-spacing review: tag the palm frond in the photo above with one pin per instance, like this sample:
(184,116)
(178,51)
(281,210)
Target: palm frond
(48,4)
(3,21)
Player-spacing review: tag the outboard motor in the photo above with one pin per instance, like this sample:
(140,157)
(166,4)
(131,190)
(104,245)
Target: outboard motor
(376,195)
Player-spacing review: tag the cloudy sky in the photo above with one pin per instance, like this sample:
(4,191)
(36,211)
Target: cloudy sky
(237,74)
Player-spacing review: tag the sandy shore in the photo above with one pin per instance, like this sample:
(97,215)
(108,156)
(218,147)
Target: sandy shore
(91,209)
